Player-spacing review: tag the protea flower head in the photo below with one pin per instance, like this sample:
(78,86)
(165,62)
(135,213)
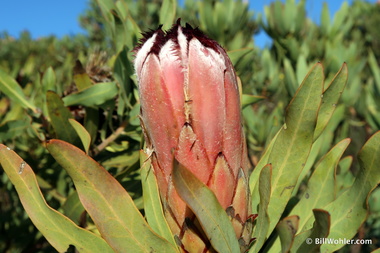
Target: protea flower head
(190,111)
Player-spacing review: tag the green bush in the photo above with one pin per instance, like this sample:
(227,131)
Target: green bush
(82,90)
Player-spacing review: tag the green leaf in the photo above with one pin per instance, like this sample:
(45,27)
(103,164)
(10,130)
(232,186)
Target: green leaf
(314,153)
(290,77)
(289,12)
(339,19)
(48,80)
(82,133)
(330,99)
(123,160)
(236,55)
(91,122)
(203,202)
(167,13)
(301,68)
(152,200)
(350,209)
(262,223)
(60,231)
(95,95)
(107,202)
(374,66)
(122,72)
(14,128)
(12,89)
(325,19)
(254,177)
(73,208)
(344,177)
(321,185)
(306,241)
(81,78)
(293,143)
(59,119)
(287,229)
(250,99)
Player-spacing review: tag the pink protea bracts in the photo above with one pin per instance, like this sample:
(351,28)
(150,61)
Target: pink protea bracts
(190,111)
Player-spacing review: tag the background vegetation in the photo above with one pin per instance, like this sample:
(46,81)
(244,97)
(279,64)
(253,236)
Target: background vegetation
(58,77)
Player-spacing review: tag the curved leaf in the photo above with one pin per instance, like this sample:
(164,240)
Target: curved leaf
(205,205)
(250,99)
(94,95)
(287,229)
(350,209)
(330,99)
(152,201)
(167,13)
(12,89)
(305,241)
(321,185)
(262,224)
(107,202)
(293,143)
(60,231)
(82,133)
(59,118)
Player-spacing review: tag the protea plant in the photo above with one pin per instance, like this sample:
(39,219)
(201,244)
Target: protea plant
(190,114)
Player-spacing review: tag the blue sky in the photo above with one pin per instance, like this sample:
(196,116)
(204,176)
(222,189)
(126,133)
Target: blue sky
(54,17)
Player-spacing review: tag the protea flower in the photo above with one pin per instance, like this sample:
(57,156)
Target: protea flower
(190,111)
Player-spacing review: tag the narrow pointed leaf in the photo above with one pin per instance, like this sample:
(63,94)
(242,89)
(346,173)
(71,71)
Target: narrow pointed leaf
(325,19)
(167,13)
(294,141)
(204,204)
(107,202)
(321,186)
(60,231)
(94,95)
(236,55)
(330,100)
(81,78)
(12,89)
(59,118)
(375,68)
(49,80)
(262,224)
(255,175)
(152,204)
(82,133)
(290,77)
(250,99)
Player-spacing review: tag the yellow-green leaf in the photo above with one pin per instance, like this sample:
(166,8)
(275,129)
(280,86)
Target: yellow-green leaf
(205,205)
(60,231)
(287,229)
(108,203)
(330,99)
(94,95)
(262,224)
(82,133)
(293,143)
(152,201)
(350,209)
(12,89)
